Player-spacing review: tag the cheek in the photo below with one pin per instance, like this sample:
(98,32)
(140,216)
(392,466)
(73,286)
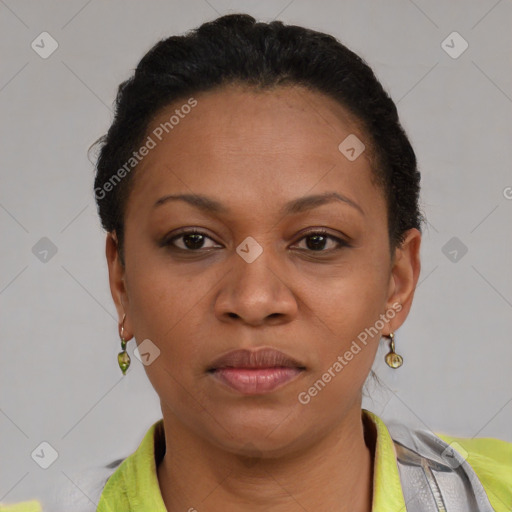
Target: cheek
(164,314)
(159,303)
(171,309)
(159,295)
(345,312)
(345,351)
(350,297)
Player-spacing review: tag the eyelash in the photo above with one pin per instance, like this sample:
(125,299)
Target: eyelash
(341,243)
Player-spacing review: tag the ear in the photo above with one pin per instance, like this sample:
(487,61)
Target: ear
(116,276)
(405,271)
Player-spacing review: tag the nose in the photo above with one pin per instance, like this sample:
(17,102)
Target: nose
(256,293)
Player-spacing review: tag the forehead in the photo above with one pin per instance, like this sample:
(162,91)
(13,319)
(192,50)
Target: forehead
(248,141)
(244,120)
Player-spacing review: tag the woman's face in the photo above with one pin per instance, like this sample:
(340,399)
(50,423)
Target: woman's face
(257,276)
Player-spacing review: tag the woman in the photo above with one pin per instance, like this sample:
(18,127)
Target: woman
(261,203)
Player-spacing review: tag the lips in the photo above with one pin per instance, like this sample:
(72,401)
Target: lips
(251,372)
(262,358)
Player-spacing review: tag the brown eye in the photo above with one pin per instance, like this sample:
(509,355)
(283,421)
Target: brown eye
(190,241)
(317,241)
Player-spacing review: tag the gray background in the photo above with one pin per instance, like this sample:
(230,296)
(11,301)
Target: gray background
(59,380)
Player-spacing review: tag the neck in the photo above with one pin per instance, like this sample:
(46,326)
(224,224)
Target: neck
(335,473)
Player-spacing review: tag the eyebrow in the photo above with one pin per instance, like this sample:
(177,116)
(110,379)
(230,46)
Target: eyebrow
(209,205)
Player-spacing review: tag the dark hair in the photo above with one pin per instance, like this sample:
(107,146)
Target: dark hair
(235,49)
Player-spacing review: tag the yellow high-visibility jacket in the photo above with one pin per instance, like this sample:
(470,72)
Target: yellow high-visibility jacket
(414,471)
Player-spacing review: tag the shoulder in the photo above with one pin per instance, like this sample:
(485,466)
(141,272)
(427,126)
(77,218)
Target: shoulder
(81,490)
(491,460)
(112,486)
(25,506)
(480,467)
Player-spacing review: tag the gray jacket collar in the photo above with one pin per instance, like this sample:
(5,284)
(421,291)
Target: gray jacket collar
(434,476)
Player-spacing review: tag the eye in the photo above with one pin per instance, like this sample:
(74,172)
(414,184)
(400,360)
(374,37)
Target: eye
(192,240)
(317,240)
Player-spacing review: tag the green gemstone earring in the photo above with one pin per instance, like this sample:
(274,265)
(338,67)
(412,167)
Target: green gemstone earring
(123,358)
(393,359)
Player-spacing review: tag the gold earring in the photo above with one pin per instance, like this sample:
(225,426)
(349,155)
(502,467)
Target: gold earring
(393,359)
(123,358)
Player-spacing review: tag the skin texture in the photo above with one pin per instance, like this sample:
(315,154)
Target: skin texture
(253,152)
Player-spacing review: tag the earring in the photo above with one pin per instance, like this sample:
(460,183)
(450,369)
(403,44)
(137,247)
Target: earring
(123,358)
(393,359)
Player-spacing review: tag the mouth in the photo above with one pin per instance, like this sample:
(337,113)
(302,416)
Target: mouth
(255,372)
